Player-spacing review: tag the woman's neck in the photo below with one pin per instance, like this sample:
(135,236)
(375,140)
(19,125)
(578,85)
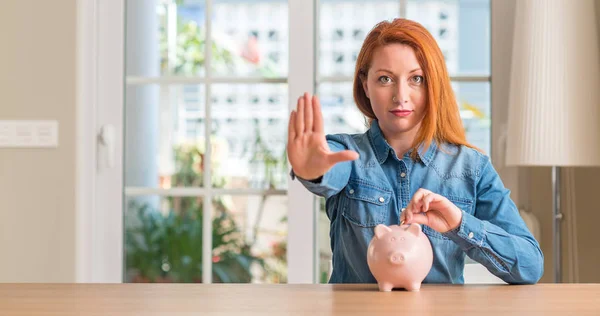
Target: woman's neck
(402,142)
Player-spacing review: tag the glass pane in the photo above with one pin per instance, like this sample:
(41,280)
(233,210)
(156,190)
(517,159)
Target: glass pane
(164,135)
(250,239)
(256,45)
(251,38)
(163,239)
(475,109)
(462,30)
(181,37)
(249,135)
(343,25)
(340,114)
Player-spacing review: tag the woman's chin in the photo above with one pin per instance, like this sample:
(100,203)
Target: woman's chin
(400,127)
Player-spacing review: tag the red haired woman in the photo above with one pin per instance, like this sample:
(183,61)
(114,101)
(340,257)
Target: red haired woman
(413,164)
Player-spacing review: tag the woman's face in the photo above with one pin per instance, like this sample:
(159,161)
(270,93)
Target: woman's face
(396,88)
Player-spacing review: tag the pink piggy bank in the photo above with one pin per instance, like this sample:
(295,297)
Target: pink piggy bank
(399,257)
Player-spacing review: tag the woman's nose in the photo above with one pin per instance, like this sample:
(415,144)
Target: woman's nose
(402,93)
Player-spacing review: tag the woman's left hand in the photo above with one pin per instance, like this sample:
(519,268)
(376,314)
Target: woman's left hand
(433,210)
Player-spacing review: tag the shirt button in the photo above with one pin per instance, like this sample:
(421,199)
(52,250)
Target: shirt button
(351,191)
(403,175)
(381,199)
(471,235)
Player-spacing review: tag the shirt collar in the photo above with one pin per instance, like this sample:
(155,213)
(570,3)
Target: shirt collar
(383,149)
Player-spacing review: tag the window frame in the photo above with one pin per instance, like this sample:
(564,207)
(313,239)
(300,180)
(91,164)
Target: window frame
(99,207)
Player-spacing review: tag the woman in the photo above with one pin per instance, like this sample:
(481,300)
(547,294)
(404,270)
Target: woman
(414,164)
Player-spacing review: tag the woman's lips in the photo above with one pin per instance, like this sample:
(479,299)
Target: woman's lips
(401,113)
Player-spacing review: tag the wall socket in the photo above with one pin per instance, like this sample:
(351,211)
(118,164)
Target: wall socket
(28,134)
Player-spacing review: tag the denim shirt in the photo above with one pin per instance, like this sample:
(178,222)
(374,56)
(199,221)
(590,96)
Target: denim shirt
(375,188)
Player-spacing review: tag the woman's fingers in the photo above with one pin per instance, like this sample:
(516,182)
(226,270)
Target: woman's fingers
(292,127)
(418,206)
(404,216)
(427,200)
(309,117)
(343,155)
(414,206)
(300,117)
(317,115)
(308,113)
(419,218)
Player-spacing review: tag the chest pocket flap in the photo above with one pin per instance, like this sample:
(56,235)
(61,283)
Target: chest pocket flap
(366,205)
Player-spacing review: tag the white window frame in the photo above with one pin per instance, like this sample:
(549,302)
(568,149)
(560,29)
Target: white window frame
(101,82)
(99,241)
(100,193)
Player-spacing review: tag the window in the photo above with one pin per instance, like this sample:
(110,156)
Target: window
(198,85)
(178,92)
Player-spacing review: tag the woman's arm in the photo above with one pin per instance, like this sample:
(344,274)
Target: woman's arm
(496,236)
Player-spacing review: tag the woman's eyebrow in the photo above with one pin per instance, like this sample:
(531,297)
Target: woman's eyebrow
(384,70)
(388,71)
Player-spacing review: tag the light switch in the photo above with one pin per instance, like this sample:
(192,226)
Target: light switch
(28,134)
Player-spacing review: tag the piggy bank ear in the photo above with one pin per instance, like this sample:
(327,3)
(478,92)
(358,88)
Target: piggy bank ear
(414,228)
(381,230)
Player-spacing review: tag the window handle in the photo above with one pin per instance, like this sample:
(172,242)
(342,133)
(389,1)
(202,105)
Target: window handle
(106,138)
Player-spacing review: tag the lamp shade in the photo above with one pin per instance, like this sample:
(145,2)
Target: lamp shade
(554,103)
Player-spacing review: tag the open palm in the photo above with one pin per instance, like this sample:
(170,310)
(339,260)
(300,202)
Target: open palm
(307,147)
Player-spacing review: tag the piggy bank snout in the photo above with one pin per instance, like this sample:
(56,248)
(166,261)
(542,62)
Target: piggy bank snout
(397,258)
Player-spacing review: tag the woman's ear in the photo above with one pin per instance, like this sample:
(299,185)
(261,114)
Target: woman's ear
(363,80)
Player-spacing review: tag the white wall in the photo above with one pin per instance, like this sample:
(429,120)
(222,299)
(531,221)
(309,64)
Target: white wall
(37,81)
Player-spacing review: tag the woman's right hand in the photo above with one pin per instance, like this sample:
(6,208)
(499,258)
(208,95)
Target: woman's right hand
(307,147)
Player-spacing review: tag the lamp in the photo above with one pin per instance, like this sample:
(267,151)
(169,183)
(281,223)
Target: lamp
(554,103)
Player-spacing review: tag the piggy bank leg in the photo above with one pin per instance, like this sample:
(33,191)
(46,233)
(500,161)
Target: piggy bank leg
(415,287)
(385,287)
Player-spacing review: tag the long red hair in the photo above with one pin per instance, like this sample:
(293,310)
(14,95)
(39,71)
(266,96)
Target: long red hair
(442,122)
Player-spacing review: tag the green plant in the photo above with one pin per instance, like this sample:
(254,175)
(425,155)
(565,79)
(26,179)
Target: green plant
(164,244)
(167,247)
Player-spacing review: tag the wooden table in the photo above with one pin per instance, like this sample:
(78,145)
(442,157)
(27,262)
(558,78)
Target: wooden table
(318,299)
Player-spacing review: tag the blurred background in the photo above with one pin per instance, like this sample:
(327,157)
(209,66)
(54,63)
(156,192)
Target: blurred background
(201,128)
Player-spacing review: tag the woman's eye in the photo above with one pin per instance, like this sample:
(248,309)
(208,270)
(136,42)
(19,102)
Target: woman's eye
(385,79)
(418,79)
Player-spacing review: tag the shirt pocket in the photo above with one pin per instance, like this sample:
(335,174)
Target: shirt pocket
(366,205)
(462,203)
